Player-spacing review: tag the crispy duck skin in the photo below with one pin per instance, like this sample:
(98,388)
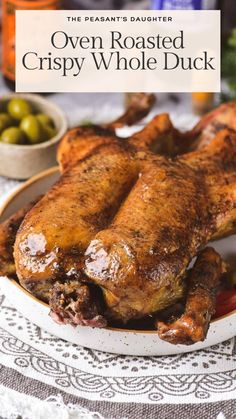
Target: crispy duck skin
(52,239)
(203,280)
(8,231)
(137,247)
(158,136)
(171,213)
(141,258)
(168,140)
(172,142)
(81,142)
(222,117)
(91,139)
(220,178)
(136,218)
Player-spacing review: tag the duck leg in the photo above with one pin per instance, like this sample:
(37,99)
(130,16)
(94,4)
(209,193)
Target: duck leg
(139,106)
(203,281)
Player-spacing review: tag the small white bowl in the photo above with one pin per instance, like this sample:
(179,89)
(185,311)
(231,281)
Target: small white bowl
(24,161)
(114,340)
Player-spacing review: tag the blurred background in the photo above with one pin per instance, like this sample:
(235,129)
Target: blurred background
(184,109)
(227,7)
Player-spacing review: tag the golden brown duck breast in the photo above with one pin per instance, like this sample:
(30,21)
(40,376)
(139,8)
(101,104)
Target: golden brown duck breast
(53,237)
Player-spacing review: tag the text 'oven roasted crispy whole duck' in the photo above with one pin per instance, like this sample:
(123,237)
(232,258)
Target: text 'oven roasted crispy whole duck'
(113,239)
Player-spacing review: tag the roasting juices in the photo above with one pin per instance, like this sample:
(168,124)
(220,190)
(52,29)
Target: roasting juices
(8,31)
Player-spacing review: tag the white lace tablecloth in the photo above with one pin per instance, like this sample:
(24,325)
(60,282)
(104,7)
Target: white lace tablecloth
(35,366)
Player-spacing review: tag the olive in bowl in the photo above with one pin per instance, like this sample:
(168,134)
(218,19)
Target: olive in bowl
(28,145)
(30,127)
(18,108)
(13,135)
(5,121)
(33,129)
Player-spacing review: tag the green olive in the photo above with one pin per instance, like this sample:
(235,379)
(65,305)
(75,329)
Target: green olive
(33,129)
(3,105)
(13,135)
(5,121)
(45,120)
(49,132)
(19,108)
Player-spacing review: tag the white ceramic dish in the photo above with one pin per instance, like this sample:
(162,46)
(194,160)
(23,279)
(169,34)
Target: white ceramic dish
(120,341)
(23,161)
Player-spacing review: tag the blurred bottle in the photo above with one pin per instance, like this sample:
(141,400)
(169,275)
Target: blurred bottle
(88,4)
(183,4)
(8,31)
(228,17)
(202,102)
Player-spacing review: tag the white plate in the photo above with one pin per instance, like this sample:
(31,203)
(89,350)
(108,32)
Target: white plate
(126,342)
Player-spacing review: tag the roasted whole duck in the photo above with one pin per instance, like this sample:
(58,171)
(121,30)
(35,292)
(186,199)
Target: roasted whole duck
(130,225)
(113,239)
